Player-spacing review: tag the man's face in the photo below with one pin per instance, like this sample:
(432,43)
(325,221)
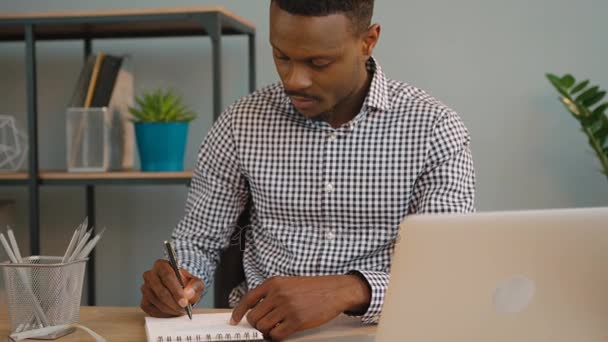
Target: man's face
(319,59)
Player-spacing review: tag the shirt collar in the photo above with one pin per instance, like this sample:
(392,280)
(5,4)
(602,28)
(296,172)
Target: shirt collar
(377,95)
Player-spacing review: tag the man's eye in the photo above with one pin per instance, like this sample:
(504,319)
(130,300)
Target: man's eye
(281,57)
(320,63)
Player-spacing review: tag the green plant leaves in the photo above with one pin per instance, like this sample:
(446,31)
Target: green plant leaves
(600,110)
(602,135)
(589,93)
(579,100)
(597,97)
(161,106)
(557,83)
(567,81)
(580,87)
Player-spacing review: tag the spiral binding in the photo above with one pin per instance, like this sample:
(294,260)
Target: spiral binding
(237,337)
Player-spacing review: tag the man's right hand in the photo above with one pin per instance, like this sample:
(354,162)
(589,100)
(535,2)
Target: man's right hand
(163,296)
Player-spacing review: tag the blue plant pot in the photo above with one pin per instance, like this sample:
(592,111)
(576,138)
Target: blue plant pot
(161,145)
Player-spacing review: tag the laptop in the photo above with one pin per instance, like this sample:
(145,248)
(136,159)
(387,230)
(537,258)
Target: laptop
(502,276)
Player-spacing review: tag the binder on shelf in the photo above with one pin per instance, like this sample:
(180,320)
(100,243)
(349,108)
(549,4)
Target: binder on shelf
(108,72)
(80,92)
(96,81)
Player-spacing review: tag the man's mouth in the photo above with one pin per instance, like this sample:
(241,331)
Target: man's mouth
(302,102)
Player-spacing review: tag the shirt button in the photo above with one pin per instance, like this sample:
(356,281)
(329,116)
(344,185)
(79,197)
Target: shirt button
(329,187)
(333,137)
(329,235)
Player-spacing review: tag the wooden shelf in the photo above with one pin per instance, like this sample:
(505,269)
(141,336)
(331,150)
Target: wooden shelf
(13,175)
(13,178)
(98,178)
(122,23)
(113,178)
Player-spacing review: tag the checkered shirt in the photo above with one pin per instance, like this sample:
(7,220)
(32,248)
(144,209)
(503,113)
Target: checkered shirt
(325,200)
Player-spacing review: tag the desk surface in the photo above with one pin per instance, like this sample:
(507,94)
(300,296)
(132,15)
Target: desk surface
(127,324)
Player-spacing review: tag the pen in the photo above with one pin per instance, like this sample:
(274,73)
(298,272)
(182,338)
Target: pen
(13,242)
(173,262)
(84,252)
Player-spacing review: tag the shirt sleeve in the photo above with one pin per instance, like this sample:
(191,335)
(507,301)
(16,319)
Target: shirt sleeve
(378,283)
(445,185)
(447,181)
(216,198)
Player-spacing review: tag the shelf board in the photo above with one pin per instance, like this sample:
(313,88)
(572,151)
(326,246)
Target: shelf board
(13,178)
(114,178)
(122,23)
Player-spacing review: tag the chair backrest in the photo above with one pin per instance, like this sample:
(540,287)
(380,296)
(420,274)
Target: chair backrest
(229,272)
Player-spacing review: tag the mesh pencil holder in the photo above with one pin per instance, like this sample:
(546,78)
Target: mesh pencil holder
(42,292)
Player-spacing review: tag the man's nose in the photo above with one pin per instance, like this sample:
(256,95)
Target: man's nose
(297,79)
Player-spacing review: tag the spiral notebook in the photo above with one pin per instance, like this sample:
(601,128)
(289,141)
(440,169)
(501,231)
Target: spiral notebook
(202,328)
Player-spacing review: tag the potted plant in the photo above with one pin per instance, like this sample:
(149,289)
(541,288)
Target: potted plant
(161,129)
(584,103)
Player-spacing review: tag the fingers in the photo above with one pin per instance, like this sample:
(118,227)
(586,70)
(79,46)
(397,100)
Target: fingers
(283,330)
(270,321)
(163,295)
(167,276)
(151,309)
(155,284)
(194,289)
(260,311)
(150,296)
(249,301)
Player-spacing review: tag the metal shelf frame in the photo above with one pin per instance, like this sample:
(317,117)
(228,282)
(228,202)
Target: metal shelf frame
(213,22)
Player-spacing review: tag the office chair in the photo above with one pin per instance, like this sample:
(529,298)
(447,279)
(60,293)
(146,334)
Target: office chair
(229,272)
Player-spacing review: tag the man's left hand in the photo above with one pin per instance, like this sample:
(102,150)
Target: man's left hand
(282,306)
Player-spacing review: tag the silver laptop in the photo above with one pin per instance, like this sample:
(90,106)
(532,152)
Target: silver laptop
(511,276)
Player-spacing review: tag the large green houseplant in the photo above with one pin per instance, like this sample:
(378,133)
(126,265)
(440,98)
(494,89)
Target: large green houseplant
(584,102)
(161,129)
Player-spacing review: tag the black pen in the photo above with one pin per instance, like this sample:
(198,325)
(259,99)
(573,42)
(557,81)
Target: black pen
(173,262)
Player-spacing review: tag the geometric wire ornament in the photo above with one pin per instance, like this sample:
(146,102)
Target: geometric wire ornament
(13,145)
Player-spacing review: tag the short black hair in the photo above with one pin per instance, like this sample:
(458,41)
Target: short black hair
(360,12)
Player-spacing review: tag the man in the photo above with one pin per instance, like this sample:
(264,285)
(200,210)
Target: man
(332,159)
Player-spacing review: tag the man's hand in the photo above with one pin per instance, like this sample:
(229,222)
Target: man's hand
(282,306)
(163,296)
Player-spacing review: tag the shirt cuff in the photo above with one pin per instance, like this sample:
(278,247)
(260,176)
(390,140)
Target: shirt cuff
(378,283)
(197,266)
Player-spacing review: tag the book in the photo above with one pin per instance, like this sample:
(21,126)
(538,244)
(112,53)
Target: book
(93,80)
(202,328)
(122,135)
(80,92)
(108,72)
(95,85)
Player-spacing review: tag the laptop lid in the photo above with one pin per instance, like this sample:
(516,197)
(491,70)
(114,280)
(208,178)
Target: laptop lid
(502,276)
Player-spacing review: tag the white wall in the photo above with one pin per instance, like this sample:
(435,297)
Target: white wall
(485,59)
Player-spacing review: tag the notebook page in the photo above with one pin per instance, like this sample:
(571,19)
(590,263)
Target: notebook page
(207,327)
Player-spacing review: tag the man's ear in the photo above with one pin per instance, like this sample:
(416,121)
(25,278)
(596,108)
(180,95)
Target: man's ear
(370,39)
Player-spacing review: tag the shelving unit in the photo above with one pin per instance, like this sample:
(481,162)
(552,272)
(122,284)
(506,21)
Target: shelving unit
(16,178)
(211,21)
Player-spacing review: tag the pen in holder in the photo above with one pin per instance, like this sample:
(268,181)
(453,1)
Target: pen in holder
(43,291)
